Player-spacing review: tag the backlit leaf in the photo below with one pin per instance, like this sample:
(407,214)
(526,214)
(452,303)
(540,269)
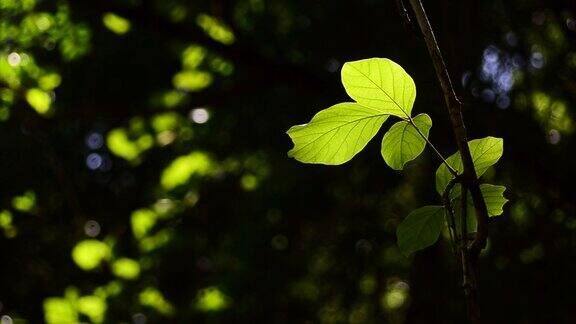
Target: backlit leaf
(420,229)
(493,197)
(485,153)
(402,143)
(336,134)
(381,84)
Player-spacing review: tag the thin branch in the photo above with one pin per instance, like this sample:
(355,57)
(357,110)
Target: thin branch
(450,168)
(448,206)
(470,181)
(406,21)
(464,215)
(455,111)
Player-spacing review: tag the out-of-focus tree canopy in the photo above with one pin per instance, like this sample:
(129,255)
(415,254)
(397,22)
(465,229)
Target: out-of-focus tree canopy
(144,175)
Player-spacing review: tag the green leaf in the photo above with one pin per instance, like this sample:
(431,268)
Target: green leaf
(485,153)
(420,229)
(336,134)
(402,143)
(494,198)
(381,84)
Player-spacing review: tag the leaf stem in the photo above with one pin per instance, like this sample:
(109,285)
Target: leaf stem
(450,168)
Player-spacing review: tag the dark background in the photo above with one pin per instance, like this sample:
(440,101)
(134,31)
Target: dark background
(249,235)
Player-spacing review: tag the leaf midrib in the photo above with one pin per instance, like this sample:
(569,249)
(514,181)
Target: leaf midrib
(331,130)
(381,89)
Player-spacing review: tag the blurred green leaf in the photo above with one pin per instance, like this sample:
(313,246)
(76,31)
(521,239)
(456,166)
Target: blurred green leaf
(59,310)
(88,254)
(215,29)
(116,24)
(181,169)
(211,299)
(39,100)
(126,268)
(153,298)
(93,307)
(192,80)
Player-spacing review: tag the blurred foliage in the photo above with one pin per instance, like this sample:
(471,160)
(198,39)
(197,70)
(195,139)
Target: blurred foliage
(144,177)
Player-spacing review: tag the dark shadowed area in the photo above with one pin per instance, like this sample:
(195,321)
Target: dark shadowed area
(144,175)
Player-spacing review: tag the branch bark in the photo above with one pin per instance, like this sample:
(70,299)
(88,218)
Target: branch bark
(470,179)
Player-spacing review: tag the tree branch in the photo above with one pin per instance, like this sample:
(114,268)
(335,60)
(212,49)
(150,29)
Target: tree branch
(470,180)
(451,219)
(450,168)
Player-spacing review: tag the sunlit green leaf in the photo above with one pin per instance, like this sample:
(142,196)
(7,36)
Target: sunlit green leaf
(402,143)
(420,229)
(380,84)
(336,134)
(493,197)
(485,153)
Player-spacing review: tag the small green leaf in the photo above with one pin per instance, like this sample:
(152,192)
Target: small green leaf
(336,134)
(485,153)
(420,229)
(381,84)
(493,197)
(402,143)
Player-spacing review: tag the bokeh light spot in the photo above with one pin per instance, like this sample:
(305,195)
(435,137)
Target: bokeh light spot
(139,318)
(554,136)
(14,59)
(94,161)
(92,228)
(94,141)
(199,115)
(280,242)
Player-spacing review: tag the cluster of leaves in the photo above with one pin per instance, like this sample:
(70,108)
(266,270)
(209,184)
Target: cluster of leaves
(381,88)
(28,28)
